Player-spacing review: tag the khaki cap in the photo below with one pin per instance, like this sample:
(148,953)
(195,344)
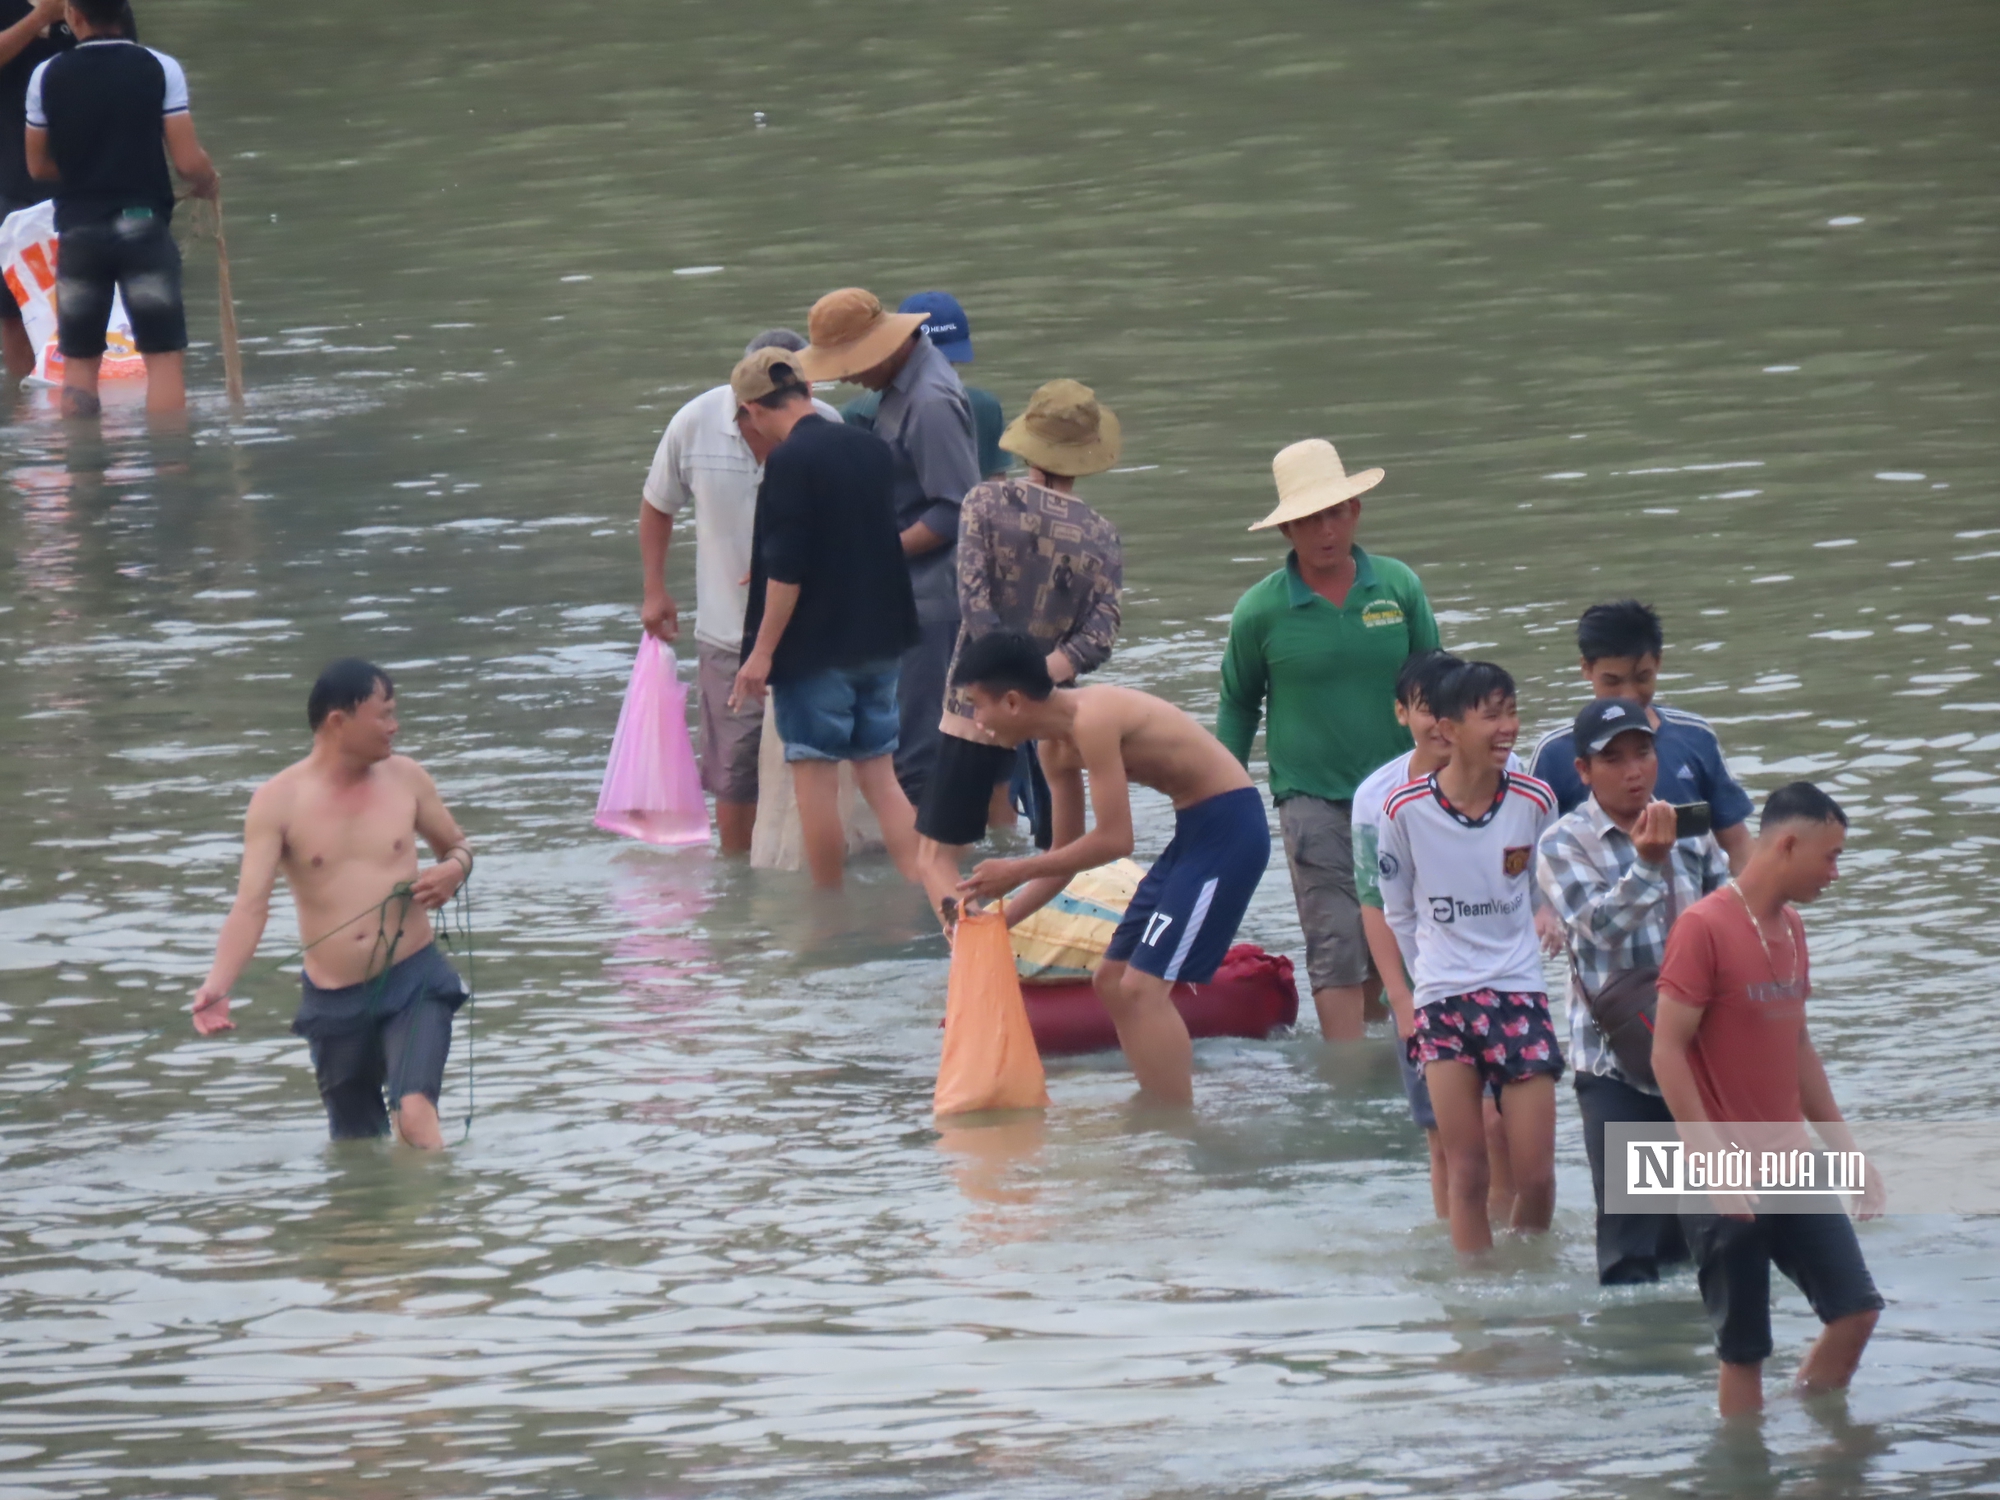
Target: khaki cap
(758,375)
(1065,431)
(851,332)
(1311,479)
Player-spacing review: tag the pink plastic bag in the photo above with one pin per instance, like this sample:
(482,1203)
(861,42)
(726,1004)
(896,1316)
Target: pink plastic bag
(651,789)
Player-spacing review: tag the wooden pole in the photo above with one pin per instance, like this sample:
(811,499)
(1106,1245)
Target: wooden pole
(232,354)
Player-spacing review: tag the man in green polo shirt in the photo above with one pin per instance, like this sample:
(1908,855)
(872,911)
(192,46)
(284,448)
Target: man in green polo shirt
(1323,639)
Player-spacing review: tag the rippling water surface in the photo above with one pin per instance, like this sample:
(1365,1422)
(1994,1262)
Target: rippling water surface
(1693,301)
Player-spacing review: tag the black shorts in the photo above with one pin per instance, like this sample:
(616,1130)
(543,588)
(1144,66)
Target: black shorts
(1818,1253)
(392,1034)
(960,789)
(133,256)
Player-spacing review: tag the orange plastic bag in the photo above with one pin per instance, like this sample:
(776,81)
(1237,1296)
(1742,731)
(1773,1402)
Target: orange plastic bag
(989,1061)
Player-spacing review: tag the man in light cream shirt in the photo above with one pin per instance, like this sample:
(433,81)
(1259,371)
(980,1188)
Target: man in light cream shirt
(708,458)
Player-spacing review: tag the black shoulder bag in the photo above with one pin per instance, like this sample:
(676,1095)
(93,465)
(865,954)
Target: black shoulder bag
(1624,1004)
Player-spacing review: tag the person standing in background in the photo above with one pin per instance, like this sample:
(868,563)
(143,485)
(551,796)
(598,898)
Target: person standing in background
(34,33)
(926,420)
(1620,645)
(1033,558)
(103,119)
(830,610)
(1323,639)
(946,326)
(712,458)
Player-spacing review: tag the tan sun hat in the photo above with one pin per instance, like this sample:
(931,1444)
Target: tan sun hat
(850,332)
(1065,431)
(764,371)
(1311,479)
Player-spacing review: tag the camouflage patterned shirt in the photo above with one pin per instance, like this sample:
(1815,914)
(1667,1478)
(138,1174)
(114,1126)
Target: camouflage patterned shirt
(1034,560)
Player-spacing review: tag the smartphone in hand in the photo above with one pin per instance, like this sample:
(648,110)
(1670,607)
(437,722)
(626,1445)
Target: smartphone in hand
(1692,820)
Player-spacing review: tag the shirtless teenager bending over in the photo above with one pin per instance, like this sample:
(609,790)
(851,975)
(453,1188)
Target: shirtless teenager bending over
(342,827)
(1186,911)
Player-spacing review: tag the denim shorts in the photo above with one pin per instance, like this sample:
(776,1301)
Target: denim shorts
(842,713)
(132,255)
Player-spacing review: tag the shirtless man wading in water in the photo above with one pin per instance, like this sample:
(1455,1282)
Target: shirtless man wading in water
(1186,911)
(342,827)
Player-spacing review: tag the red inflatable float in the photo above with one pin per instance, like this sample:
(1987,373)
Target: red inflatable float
(1252,995)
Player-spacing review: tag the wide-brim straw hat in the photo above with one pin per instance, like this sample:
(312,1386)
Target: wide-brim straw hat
(1065,431)
(851,332)
(1311,479)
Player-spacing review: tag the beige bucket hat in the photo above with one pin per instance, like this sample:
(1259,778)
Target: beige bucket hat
(1065,431)
(1311,479)
(763,373)
(850,332)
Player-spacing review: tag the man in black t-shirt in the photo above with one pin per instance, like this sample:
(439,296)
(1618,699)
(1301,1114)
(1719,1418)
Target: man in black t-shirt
(34,33)
(102,120)
(831,609)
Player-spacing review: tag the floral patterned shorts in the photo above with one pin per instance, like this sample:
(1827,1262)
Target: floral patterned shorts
(1506,1034)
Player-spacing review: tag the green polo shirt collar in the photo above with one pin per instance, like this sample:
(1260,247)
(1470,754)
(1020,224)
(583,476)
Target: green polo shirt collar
(1301,592)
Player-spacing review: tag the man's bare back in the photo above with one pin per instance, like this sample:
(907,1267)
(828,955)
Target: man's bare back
(1160,746)
(1116,736)
(1187,910)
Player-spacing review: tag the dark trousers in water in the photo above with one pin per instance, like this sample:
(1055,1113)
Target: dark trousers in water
(1630,1247)
(389,1033)
(920,704)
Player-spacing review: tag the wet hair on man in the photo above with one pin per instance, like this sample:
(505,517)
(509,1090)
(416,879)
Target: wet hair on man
(1005,661)
(1799,802)
(1624,628)
(1420,673)
(343,687)
(1468,686)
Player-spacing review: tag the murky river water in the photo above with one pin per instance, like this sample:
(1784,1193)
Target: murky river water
(1677,301)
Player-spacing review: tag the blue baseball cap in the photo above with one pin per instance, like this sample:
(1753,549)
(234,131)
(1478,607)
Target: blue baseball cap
(946,323)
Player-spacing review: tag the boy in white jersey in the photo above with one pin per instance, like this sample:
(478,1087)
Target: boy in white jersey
(1415,684)
(1457,872)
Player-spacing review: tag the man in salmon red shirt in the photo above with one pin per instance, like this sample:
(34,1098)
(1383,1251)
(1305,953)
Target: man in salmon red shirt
(1730,1046)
